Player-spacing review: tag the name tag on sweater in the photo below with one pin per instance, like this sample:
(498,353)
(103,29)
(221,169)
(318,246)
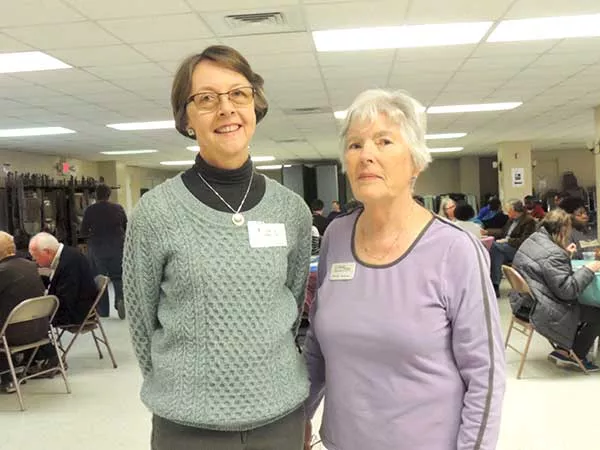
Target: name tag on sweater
(342,271)
(267,234)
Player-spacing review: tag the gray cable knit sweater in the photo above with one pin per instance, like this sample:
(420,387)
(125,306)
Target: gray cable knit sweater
(213,321)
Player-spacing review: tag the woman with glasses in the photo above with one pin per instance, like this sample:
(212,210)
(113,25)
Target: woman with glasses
(447,209)
(215,267)
(580,220)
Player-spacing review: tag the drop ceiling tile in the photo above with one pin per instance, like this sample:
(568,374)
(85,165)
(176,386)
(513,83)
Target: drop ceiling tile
(72,35)
(494,49)
(109,9)
(52,77)
(158,29)
(37,12)
(128,71)
(99,56)
(173,50)
(525,9)
(237,5)
(358,14)
(433,11)
(10,45)
(298,42)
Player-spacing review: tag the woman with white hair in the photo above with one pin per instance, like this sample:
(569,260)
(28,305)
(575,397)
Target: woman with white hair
(447,209)
(405,335)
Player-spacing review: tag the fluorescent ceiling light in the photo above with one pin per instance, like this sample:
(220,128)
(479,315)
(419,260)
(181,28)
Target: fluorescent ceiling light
(272,167)
(29,62)
(479,107)
(400,37)
(432,137)
(193,148)
(445,149)
(157,125)
(262,158)
(129,152)
(546,28)
(177,163)
(43,131)
(340,115)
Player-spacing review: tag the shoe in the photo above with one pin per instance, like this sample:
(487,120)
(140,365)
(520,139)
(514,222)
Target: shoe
(121,310)
(560,357)
(590,366)
(10,388)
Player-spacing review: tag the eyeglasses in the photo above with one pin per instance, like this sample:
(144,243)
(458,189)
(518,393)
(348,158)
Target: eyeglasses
(209,101)
(581,213)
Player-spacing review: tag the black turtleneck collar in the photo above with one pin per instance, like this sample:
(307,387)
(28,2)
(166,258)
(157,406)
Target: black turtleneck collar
(223,176)
(230,184)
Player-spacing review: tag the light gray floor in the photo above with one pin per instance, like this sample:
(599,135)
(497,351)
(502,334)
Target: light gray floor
(550,409)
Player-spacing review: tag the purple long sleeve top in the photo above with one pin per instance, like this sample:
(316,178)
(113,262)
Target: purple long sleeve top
(407,355)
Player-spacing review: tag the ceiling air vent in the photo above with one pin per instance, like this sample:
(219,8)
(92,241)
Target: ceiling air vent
(269,19)
(307,111)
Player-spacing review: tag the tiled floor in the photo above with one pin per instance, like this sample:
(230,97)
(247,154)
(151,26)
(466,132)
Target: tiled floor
(550,409)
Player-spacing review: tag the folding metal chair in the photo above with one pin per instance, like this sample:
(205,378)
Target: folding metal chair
(523,325)
(38,308)
(89,325)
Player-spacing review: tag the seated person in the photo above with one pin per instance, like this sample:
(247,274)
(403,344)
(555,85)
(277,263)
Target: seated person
(494,219)
(19,280)
(544,261)
(447,208)
(71,280)
(534,208)
(464,214)
(319,220)
(579,219)
(508,240)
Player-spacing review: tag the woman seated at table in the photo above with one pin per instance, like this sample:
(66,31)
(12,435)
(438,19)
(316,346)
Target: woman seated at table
(544,260)
(464,214)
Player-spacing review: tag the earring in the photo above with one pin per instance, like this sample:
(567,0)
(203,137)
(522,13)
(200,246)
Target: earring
(191,132)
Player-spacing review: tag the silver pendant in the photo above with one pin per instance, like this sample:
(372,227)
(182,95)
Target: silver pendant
(238,219)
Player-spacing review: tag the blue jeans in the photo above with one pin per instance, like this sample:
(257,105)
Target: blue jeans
(500,253)
(110,265)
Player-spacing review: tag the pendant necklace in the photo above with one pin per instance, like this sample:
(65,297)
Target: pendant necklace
(237,218)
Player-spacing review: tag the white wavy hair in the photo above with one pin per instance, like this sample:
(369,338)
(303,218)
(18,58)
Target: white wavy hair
(44,241)
(402,110)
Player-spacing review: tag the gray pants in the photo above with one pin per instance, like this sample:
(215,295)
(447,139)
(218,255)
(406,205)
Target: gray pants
(285,434)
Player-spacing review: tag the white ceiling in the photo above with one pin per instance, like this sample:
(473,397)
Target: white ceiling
(124,54)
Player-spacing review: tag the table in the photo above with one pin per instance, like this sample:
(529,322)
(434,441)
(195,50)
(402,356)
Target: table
(591,294)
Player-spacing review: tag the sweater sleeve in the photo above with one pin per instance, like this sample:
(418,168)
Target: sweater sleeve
(142,275)
(476,343)
(299,260)
(315,361)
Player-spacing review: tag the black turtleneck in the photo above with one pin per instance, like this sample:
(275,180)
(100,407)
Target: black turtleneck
(230,184)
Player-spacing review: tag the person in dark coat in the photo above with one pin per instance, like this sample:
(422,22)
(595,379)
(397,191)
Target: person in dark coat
(19,281)
(104,224)
(71,279)
(544,261)
(580,219)
(319,220)
(508,240)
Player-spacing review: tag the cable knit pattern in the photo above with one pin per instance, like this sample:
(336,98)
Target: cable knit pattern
(213,321)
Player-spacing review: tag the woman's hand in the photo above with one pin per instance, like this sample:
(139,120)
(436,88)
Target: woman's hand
(571,248)
(307,435)
(594,266)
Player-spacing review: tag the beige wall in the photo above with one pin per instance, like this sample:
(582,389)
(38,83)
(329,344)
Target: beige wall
(469,175)
(514,155)
(442,176)
(579,161)
(24,162)
(131,179)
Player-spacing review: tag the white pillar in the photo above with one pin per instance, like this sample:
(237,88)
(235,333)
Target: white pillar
(515,174)
(597,160)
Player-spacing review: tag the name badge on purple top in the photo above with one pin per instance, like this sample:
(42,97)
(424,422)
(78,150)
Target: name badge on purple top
(342,271)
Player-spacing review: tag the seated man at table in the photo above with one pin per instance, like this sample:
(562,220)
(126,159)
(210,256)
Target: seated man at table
(508,240)
(71,279)
(544,262)
(534,207)
(19,280)
(579,218)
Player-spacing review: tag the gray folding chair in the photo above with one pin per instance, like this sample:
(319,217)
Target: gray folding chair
(524,326)
(39,308)
(90,324)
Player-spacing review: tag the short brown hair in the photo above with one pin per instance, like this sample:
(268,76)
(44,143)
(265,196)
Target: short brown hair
(558,224)
(226,57)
